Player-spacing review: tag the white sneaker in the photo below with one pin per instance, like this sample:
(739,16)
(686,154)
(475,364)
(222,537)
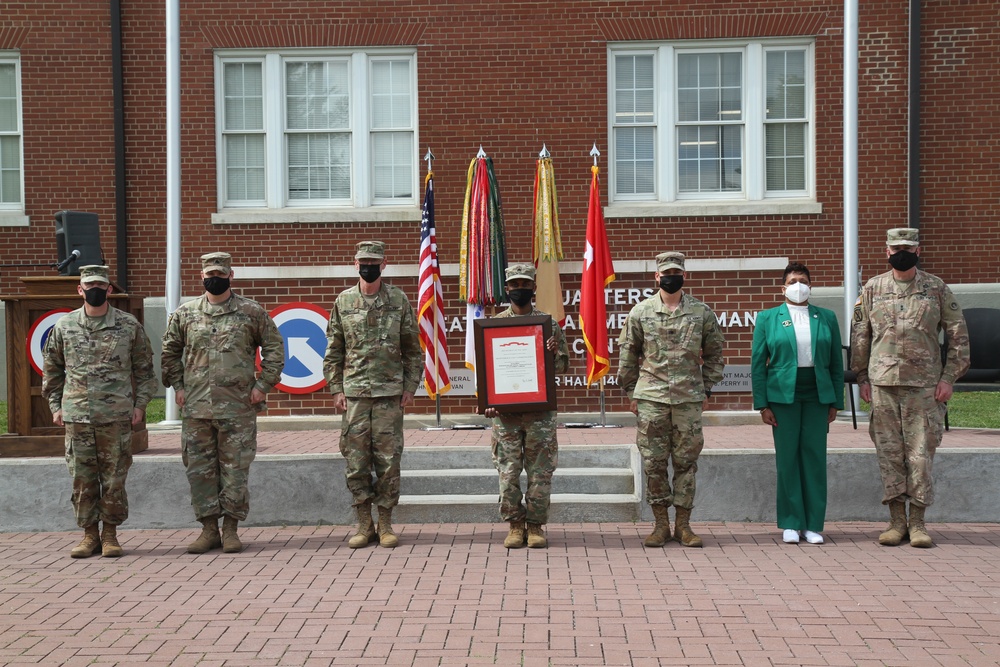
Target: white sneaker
(813,538)
(790,536)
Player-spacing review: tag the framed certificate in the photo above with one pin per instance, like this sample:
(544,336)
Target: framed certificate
(514,370)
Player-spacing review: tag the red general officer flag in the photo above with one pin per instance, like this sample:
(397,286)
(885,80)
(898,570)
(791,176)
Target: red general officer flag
(598,273)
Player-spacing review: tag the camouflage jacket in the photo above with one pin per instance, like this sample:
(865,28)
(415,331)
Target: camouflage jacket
(98,369)
(373,351)
(210,351)
(895,332)
(670,356)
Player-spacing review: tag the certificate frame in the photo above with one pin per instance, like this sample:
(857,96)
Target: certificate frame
(500,388)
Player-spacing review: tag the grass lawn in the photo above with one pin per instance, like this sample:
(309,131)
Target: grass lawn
(968,409)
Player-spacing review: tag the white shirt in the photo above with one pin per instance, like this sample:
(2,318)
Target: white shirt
(803,335)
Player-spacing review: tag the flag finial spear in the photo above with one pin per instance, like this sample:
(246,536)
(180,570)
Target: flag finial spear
(544,153)
(481,152)
(595,153)
(429,158)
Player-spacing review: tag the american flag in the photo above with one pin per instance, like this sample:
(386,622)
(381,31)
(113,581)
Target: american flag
(431,304)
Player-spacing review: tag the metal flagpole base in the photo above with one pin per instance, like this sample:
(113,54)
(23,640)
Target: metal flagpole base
(435,428)
(468,427)
(580,425)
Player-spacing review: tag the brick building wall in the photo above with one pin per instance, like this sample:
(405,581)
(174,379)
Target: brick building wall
(509,77)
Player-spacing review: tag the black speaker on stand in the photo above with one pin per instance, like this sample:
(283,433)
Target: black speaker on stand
(76,230)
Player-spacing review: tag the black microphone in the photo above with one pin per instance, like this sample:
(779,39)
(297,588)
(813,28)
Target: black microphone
(73,256)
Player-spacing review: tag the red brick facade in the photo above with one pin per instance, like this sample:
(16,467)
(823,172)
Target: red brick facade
(508,76)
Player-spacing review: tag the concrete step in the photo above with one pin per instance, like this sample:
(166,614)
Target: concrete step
(479,481)
(570,456)
(565,508)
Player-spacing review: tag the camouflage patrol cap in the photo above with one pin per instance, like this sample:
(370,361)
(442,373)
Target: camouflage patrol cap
(370,250)
(217,261)
(903,236)
(94,273)
(515,271)
(669,260)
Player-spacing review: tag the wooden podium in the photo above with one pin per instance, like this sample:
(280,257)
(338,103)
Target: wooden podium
(29,421)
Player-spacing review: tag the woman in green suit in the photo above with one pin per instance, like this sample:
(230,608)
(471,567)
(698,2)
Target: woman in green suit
(797,372)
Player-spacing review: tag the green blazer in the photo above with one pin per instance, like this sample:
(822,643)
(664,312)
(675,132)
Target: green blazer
(774,357)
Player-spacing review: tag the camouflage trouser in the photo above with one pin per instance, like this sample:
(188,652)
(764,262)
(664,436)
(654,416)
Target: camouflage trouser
(371,440)
(525,440)
(217,454)
(670,432)
(906,426)
(98,457)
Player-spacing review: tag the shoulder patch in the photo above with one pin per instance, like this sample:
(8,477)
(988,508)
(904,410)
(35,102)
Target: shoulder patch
(859,315)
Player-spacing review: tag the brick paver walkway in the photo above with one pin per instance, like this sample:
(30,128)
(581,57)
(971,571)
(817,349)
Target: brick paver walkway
(842,435)
(452,595)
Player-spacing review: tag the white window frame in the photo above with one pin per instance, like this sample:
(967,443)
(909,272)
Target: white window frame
(753,199)
(12,213)
(361,205)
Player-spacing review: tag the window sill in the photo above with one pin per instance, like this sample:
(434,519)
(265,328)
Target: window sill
(252,216)
(715,208)
(13,219)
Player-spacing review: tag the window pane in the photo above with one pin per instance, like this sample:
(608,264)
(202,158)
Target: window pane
(317,96)
(786,85)
(710,158)
(10,170)
(634,90)
(244,96)
(8,97)
(785,158)
(319,166)
(634,160)
(709,87)
(391,95)
(392,160)
(245,167)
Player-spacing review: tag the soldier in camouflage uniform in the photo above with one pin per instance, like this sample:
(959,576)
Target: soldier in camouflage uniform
(209,358)
(98,378)
(896,354)
(670,357)
(526,440)
(373,364)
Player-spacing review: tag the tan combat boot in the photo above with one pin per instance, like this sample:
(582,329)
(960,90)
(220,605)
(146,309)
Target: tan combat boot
(918,533)
(386,537)
(89,545)
(109,541)
(515,537)
(536,536)
(230,540)
(896,532)
(366,529)
(682,530)
(661,530)
(209,538)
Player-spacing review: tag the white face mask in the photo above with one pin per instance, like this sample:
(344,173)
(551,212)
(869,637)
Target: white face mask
(797,292)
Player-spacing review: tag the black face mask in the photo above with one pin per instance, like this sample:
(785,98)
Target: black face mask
(520,297)
(369,272)
(671,284)
(96,296)
(216,285)
(904,260)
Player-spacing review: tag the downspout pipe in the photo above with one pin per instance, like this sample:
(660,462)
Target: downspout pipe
(913,139)
(121,194)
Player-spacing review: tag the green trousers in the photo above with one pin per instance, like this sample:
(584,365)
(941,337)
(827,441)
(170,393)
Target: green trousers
(800,456)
